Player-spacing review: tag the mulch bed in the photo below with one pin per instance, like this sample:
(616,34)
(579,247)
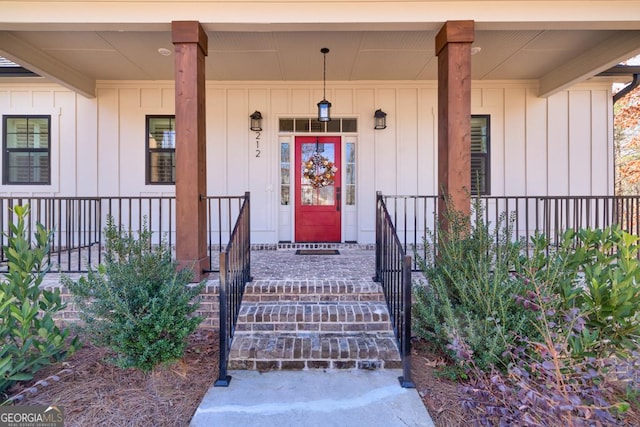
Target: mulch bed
(93,392)
(440,395)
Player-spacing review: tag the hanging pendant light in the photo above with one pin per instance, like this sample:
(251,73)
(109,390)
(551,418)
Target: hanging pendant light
(324,106)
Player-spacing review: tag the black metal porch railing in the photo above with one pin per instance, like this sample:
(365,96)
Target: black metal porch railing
(71,220)
(77,224)
(393,271)
(235,273)
(414,217)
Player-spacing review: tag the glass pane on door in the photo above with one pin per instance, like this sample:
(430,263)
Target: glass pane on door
(317,158)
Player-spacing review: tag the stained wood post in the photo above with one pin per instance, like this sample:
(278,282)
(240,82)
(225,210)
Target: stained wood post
(453,48)
(190,41)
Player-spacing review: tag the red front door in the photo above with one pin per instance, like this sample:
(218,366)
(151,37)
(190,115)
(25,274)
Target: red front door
(317,189)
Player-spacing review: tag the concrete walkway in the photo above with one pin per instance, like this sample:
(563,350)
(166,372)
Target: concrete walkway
(313,398)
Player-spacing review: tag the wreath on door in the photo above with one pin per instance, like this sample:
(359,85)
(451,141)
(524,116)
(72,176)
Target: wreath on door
(319,170)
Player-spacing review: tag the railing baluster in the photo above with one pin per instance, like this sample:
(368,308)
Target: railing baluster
(219,225)
(405,334)
(3,228)
(209,232)
(223,378)
(59,232)
(378,238)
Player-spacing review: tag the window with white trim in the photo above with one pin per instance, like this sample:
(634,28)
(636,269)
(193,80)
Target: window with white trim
(26,147)
(161,149)
(480,155)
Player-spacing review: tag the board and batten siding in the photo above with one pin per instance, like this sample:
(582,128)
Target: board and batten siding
(560,145)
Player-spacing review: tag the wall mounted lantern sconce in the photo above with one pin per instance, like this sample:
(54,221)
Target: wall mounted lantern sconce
(324,106)
(256,121)
(380,119)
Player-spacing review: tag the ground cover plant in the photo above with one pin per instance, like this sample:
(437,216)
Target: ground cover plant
(137,303)
(576,363)
(30,338)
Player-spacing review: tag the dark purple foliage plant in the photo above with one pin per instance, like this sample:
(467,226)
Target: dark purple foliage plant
(561,377)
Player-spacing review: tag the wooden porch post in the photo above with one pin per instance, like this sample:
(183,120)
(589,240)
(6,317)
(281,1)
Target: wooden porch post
(453,48)
(190,41)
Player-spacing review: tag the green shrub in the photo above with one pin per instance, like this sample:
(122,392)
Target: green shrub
(137,303)
(30,338)
(470,288)
(595,273)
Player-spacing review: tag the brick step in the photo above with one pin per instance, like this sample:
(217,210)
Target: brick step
(339,316)
(286,351)
(312,290)
(313,324)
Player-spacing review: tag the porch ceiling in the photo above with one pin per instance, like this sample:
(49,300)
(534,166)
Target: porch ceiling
(76,56)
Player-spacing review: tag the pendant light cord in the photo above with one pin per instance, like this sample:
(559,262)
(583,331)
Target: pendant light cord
(324,51)
(324,78)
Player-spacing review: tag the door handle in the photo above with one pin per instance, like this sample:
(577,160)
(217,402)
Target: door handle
(338,198)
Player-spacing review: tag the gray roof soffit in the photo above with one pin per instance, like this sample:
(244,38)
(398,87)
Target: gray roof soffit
(11,69)
(621,70)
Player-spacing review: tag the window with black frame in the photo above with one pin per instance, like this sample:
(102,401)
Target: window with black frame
(161,150)
(480,155)
(26,147)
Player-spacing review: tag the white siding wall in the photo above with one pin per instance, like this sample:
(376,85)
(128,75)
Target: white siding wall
(561,145)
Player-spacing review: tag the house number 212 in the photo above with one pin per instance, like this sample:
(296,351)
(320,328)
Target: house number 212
(257,144)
